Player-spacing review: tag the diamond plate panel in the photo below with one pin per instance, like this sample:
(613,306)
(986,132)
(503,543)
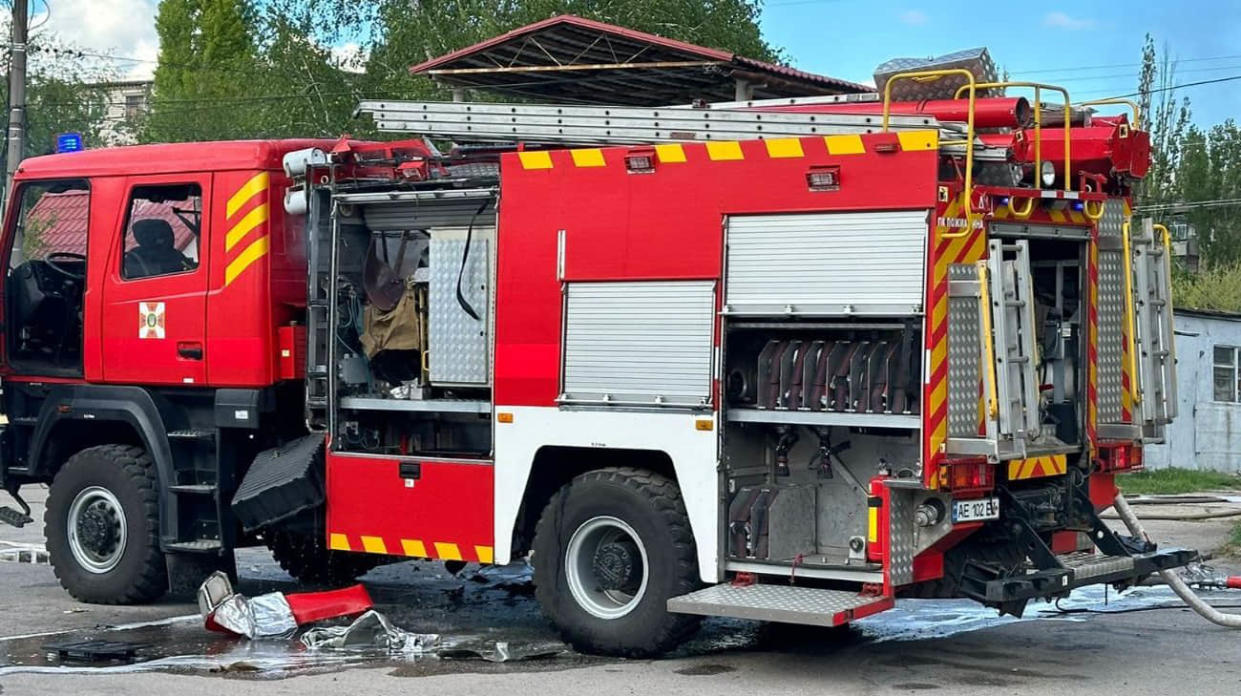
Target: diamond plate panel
(459,342)
(782,603)
(902,540)
(964,356)
(1111,317)
(1089,565)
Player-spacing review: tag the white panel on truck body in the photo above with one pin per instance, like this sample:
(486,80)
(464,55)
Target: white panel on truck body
(827,264)
(639,342)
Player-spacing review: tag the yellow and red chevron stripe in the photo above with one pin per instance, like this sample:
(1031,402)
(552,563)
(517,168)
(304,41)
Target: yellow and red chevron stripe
(250,228)
(1038,467)
(414,548)
(732,150)
(1092,348)
(944,252)
(1129,384)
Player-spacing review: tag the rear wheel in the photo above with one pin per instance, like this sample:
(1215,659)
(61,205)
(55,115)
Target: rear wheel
(309,560)
(102,526)
(610,549)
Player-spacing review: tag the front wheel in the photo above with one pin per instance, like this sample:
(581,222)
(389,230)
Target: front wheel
(611,548)
(102,526)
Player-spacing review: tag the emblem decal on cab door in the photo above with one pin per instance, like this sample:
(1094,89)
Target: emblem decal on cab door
(150,320)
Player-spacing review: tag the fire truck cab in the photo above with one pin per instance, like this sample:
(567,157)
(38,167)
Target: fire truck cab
(789,366)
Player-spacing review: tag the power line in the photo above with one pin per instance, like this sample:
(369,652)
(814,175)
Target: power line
(1079,68)
(1189,205)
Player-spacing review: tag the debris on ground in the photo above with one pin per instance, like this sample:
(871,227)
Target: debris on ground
(276,614)
(371,631)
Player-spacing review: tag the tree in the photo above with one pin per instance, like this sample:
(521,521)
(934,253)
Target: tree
(205,62)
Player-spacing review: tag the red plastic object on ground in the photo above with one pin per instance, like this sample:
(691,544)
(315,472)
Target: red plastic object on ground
(309,607)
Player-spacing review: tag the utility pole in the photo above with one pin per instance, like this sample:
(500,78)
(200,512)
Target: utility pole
(17,89)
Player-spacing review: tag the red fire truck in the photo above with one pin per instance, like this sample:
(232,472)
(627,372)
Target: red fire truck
(783,360)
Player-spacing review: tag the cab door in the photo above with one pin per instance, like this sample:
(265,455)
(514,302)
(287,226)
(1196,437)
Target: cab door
(155,290)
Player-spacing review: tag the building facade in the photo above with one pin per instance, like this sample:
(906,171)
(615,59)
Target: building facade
(1207,431)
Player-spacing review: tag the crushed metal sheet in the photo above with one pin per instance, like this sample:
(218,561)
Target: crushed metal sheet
(371,631)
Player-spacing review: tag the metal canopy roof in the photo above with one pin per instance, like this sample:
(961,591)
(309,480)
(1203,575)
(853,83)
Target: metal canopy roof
(571,59)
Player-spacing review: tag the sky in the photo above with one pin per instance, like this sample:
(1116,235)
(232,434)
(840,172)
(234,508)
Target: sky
(1090,47)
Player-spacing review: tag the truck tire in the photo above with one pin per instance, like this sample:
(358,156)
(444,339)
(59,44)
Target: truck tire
(309,560)
(102,526)
(611,547)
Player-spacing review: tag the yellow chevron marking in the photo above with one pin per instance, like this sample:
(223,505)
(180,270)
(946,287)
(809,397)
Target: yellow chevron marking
(671,152)
(919,140)
(724,150)
(484,554)
(338,542)
(1056,215)
(1001,212)
(374,544)
(253,219)
(447,552)
(1076,217)
(413,547)
(256,185)
(780,148)
(872,525)
(252,253)
(535,159)
(1038,467)
(591,157)
(844,144)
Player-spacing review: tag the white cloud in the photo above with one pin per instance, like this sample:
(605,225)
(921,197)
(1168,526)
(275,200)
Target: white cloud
(913,17)
(1060,20)
(124,28)
(349,56)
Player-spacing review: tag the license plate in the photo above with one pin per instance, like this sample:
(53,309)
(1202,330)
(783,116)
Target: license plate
(975,510)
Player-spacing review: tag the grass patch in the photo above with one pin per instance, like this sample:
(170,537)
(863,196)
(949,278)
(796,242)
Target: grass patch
(1177,481)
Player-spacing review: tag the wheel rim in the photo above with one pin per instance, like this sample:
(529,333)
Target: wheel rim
(97,529)
(606,567)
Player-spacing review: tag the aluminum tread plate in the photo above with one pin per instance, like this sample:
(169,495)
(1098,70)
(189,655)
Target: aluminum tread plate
(1111,318)
(458,342)
(780,603)
(1089,565)
(964,356)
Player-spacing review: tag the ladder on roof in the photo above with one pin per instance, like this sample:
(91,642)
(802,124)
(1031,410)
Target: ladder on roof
(627,125)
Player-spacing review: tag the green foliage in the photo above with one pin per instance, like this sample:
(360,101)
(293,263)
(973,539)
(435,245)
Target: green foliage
(230,69)
(1176,481)
(1215,288)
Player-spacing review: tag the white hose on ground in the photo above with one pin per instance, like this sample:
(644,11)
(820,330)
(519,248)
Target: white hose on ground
(1174,581)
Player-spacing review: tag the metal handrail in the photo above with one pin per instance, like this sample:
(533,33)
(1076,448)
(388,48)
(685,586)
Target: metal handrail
(984,298)
(1129,322)
(1038,88)
(1136,124)
(971,85)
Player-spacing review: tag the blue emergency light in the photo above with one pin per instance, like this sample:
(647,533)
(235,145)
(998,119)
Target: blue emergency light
(69,142)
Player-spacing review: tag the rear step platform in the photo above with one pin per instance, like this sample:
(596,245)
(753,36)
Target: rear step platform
(780,603)
(1081,569)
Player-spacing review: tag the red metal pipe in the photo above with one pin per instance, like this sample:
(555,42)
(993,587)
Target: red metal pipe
(991,112)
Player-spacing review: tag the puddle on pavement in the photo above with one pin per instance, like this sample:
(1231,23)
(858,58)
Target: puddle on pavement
(490,621)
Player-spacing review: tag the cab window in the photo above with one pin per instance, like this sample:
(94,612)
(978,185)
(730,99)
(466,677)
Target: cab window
(47,277)
(162,231)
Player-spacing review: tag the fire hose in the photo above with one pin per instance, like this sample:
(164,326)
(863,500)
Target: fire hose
(1174,581)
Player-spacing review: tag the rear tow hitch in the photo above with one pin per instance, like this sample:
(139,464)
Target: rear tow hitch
(10,516)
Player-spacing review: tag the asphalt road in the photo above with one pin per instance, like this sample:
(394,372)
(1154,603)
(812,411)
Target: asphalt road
(946,647)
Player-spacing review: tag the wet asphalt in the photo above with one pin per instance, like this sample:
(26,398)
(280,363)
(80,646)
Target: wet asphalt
(494,641)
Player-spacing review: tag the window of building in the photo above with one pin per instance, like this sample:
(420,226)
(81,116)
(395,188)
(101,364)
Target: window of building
(162,230)
(134,104)
(1227,386)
